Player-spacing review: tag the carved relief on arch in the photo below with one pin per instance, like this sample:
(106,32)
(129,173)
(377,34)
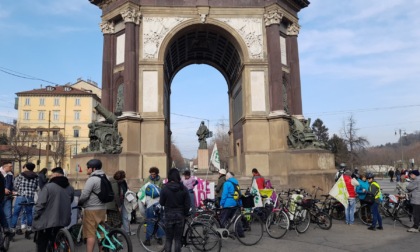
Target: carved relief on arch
(155,30)
(250,29)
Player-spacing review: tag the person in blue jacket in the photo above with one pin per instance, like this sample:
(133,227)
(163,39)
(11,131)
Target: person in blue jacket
(228,203)
(362,188)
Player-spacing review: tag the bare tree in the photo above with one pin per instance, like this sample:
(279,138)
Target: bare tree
(221,137)
(176,156)
(21,147)
(355,143)
(58,145)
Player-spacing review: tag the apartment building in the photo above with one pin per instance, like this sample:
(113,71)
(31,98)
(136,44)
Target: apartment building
(52,113)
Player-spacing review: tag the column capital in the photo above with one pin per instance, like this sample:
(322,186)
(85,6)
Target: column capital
(107,27)
(131,15)
(293,29)
(273,17)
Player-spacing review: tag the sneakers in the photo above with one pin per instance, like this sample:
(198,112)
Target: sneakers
(146,243)
(413,230)
(159,241)
(372,228)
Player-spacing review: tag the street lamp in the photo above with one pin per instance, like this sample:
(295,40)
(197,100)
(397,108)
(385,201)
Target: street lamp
(402,153)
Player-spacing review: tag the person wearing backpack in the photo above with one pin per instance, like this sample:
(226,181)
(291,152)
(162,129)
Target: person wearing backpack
(231,199)
(95,209)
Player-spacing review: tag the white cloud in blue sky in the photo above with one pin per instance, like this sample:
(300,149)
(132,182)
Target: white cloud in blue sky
(357,57)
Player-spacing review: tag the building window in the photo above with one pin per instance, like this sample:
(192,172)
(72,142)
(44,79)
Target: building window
(27,101)
(76,133)
(41,115)
(77,102)
(41,101)
(56,101)
(40,133)
(77,115)
(56,115)
(26,115)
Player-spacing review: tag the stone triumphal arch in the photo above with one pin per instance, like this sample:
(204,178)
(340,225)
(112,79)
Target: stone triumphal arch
(253,43)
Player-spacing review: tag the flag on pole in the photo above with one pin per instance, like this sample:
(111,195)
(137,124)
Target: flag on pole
(339,192)
(256,193)
(78,168)
(214,158)
(173,164)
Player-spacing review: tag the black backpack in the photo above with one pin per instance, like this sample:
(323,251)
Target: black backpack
(106,194)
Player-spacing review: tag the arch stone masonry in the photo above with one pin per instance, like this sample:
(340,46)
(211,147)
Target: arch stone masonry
(253,43)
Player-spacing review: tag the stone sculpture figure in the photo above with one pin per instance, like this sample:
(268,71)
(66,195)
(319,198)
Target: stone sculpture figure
(203,133)
(104,136)
(301,135)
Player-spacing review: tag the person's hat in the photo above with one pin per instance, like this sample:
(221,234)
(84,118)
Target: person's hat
(415,172)
(58,170)
(222,171)
(347,172)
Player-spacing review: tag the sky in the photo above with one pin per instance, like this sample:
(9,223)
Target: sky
(357,58)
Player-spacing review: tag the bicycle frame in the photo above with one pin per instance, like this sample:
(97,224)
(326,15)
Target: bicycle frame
(110,242)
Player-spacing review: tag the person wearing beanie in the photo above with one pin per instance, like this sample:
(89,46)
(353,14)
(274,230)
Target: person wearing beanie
(219,186)
(25,185)
(176,201)
(414,188)
(350,185)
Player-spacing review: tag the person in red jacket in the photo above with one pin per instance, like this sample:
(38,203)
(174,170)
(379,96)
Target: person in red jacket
(350,185)
(260,179)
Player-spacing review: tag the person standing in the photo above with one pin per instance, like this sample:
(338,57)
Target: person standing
(350,185)
(42,177)
(53,209)
(219,186)
(414,188)
(95,209)
(258,178)
(175,199)
(391,175)
(119,176)
(229,203)
(398,175)
(362,188)
(189,183)
(25,185)
(375,190)
(6,171)
(154,177)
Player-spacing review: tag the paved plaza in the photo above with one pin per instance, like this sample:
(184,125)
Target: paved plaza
(340,237)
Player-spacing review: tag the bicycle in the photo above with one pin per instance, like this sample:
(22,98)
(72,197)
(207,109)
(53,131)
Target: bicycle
(63,242)
(200,235)
(321,218)
(4,240)
(109,239)
(333,207)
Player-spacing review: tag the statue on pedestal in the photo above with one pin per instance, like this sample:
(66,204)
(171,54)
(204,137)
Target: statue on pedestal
(203,133)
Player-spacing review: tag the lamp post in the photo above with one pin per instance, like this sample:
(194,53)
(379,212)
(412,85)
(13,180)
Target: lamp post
(401,131)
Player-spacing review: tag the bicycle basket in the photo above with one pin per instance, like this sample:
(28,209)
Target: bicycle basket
(248,201)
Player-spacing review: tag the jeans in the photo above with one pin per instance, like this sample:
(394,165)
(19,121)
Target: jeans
(125,220)
(149,229)
(7,208)
(3,220)
(174,228)
(18,208)
(350,211)
(192,200)
(376,217)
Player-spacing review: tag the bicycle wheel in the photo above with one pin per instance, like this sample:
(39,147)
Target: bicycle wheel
(76,234)
(302,220)
(277,224)
(365,215)
(6,243)
(118,241)
(203,237)
(337,211)
(248,228)
(323,220)
(63,241)
(155,233)
(404,217)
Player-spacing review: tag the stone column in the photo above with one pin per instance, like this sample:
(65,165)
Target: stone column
(275,81)
(131,19)
(108,31)
(293,62)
